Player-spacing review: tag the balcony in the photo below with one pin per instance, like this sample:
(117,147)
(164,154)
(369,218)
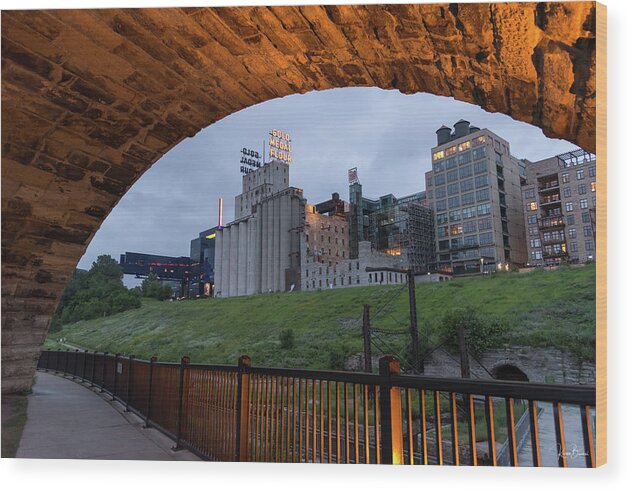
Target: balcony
(550,200)
(551,222)
(556,240)
(548,186)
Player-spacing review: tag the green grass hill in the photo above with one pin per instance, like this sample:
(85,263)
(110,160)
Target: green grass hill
(541,308)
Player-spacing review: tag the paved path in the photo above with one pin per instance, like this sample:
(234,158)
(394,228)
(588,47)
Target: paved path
(66,420)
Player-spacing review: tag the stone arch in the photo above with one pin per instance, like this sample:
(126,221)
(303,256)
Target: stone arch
(510,372)
(92,98)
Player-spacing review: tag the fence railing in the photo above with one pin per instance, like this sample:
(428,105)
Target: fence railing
(245,413)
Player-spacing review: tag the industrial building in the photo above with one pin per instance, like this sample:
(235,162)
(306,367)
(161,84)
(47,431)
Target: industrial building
(474,189)
(202,253)
(396,226)
(169,270)
(559,201)
(260,250)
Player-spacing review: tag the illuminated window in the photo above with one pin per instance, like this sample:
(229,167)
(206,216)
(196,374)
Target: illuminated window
(464,146)
(480,140)
(532,206)
(438,155)
(450,150)
(593,187)
(456,229)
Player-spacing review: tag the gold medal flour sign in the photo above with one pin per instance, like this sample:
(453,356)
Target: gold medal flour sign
(280,145)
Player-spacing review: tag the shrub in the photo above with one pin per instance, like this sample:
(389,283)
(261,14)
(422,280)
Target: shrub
(287,339)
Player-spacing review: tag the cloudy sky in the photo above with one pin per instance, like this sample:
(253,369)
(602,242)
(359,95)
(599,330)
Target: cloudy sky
(387,135)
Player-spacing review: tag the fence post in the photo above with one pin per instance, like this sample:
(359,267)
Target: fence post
(180,403)
(115,375)
(147,417)
(242,408)
(131,357)
(103,373)
(57,352)
(47,360)
(65,370)
(93,369)
(391,413)
(85,352)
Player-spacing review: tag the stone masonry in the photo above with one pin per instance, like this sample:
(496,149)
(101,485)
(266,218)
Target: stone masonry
(92,98)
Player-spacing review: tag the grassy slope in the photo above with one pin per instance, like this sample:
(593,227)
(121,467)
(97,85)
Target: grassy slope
(544,308)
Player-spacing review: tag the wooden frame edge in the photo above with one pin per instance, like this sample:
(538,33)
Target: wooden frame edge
(601,238)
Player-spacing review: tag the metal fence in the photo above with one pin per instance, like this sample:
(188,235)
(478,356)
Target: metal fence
(245,413)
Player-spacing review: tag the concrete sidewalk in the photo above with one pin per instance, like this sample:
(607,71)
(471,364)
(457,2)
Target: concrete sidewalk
(67,420)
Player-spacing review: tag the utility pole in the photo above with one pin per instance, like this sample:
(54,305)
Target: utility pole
(416,363)
(463,351)
(367,341)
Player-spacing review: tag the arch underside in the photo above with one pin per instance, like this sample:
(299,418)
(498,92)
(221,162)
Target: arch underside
(92,98)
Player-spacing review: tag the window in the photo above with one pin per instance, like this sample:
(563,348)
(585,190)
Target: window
(588,231)
(532,230)
(483,194)
(465,171)
(438,155)
(568,206)
(534,243)
(537,255)
(591,171)
(429,180)
(565,177)
(454,216)
(572,233)
(453,188)
(468,212)
(481,166)
(566,192)
(589,245)
(480,140)
(451,176)
(470,227)
(531,206)
(468,198)
(450,151)
(443,245)
(593,187)
(464,146)
(466,185)
(483,209)
(579,174)
(440,192)
(441,218)
(485,224)
(530,193)
(486,238)
(584,203)
(582,189)
(471,240)
(573,247)
(453,202)
(532,219)
(440,205)
(439,179)
(481,181)
(570,219)
(479,153)
(594,201)
(464,158)
(586,217)
(442,231)
(456,229)
(451,162)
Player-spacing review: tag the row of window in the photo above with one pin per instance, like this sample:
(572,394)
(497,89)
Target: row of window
(568,206)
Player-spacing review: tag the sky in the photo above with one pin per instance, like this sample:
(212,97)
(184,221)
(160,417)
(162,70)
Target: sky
(388,136)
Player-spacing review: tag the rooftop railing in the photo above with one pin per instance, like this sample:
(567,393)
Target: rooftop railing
(245,413)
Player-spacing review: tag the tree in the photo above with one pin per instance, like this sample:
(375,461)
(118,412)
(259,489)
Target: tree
(481,332)
(152,288)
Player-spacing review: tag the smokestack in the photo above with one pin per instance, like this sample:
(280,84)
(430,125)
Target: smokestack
(220,212)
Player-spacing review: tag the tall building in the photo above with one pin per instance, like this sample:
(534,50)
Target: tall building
(202,250)
(395,226)
(474,189)
(559,201)
(260,250)
(169,270)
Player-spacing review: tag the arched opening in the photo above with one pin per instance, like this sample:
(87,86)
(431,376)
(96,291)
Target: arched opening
(511,373)
(91,99)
